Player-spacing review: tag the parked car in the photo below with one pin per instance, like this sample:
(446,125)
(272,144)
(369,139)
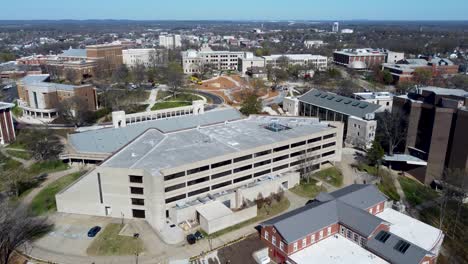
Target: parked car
(191,239)
(93,231)
(198,235)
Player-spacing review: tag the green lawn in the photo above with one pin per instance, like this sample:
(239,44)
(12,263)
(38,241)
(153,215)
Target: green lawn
(331,175)
(47,167)
(19,154)
(263,213)
(109,243)
(308,190)
(387,186)
(166,105)
(415,192)
(44,202)
(372,170)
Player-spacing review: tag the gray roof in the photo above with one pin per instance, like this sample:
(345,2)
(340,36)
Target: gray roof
(361,196)
(74,53)
(327,209)
(338,103)
(198,144)
(441,61)
(5,105)
(416,61)
(445,91)
(34,79)
(40,80)
(413,254)
(108,140)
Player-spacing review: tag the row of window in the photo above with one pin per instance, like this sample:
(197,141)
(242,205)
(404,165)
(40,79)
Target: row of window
(303,243)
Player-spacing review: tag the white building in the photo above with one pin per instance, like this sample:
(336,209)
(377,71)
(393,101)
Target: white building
(336,27)
(394,57)
(170,174)
(313,43)
(193,61)
(347,31)
(132,57)
(170,41)
(385,99)
(249,62)
(313,61)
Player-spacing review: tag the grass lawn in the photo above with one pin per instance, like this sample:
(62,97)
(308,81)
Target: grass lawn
(308,190)
(109,243)
(47,167)
(455,230)
(415,192)
(44,202)
(263,213)
(17,145)
(372,170)
(387,187)
(331,175)
(166,105)
(19,154)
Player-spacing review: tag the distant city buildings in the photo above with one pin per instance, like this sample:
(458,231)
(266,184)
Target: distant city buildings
(7,128)
(146,57)
(313,43)
(361,59)
(355,224)
(317,62)
(336,27)
(39,98)
(170,41)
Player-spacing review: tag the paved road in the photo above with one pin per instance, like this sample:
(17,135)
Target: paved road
(217,100)
(152,99)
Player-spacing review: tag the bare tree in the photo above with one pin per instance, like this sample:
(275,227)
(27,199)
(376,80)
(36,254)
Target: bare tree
(138,73)
(74,110)
(17,226)
(103,69)
(392,127)
(175,77)
(71,75)
(307,164)
(44,144)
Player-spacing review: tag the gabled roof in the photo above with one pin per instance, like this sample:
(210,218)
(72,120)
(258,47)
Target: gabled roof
(338,103)
(331,208)
(389,250)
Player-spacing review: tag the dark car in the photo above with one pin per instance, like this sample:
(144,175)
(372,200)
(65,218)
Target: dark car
(191,239)
(198,235)
(93,231)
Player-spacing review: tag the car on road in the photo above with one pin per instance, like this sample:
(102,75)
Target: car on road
(93,231)
(191,239)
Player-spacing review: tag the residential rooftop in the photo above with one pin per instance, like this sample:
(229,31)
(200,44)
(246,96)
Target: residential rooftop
(109,140)
(155,150)
(338,103)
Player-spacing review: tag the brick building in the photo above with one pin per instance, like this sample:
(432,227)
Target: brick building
(112,53)
(437,129)
(403,70)
(350,225)
(40,98)
(7,129)
(361,59)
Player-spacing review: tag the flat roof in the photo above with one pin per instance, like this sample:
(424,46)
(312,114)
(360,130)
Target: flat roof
(335,250)
(39,81)
(405,158)
(214,210)
(154,150)
(5,105)
(362,52)
(294,56)
(74,53)
(109,140)
(445,91)
(411,229)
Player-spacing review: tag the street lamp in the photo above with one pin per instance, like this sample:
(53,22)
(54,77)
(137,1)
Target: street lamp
(136,236)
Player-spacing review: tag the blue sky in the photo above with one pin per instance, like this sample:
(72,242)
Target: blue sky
(236,9)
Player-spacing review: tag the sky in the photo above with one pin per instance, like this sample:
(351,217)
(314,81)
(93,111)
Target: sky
(235,9)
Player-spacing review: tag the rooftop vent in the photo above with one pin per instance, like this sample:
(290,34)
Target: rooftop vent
(318,94)
(382,236)
(339,99)
(330,97)
(363,106)
(323,96)
(276,127)
(355,104)
(402,246)
(347,102)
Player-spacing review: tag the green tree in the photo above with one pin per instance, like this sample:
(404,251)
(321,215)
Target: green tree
(44,144)
(251,105)
(387,77)
(422,76)
(375,153)
(175,77)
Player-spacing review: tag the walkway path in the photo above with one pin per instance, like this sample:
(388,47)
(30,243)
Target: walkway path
(152,99)
(26,163)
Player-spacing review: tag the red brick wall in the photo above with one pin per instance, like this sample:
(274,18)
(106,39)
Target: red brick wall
(334,230)
(6,126)
(374,208)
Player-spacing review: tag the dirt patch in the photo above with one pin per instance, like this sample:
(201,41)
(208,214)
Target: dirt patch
(242,251)
(218,84)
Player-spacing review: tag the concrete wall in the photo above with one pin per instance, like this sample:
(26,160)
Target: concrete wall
(266,188)
(291,106)
(360,132)
(221,223)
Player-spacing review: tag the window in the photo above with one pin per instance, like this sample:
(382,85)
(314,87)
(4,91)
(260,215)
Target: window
(312,238)
(242,178)
(329,231)
(261,163)
(174,176)
(356,237)
(273,240)
(362,242)
(266,235)
(239,159)
(220,164)
(176,198)
(199,191)
(136,179)
(197,181)
(236,170)
(137,201)
(260,173)
(298,153)
(295,163)
(278,149)
(378,208)
(342,230)
(221,174)
(328,153)
(280,158)
(220,185)
(295,246)
(295,145)
(348,235)
(136,190)
(329,144)
(304,242)
(137,213)
(174,187)
(312,140)
(314,148)
(371,210)
(321,234)
(281,167)
(262,153)
(281,245)
(197,170)
(329,136)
